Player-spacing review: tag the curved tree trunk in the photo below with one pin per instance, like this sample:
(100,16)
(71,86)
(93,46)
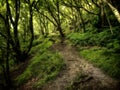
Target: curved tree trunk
(114,10)
(31,26)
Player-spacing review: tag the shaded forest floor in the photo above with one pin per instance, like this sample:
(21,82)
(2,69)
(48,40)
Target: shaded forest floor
(78,74)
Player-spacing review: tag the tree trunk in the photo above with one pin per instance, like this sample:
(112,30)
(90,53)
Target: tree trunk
(59,21)
(7,68)
(60,31)
(31,26)
(114,10)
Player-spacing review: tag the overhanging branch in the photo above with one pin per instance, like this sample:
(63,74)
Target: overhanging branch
(67,5)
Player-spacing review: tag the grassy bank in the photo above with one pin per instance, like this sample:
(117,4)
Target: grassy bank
(103,58)
(44,66)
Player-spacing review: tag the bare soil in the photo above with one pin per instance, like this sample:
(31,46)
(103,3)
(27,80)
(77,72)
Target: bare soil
(94,78)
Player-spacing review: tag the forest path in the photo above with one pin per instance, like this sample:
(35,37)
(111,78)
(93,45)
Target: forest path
(95,79)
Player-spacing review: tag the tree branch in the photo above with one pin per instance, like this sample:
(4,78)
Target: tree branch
(79,7)
(114,10)
(9,11)
(95,3)
(45,16)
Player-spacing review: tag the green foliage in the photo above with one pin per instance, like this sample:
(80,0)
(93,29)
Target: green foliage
(115,45)
(47,15)
(105,59)
(78,38)
(49,68)
(44,44)
(104,38)
(44,66)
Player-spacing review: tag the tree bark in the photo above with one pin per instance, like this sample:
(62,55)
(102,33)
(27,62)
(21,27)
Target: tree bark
(114,10)
(31,25)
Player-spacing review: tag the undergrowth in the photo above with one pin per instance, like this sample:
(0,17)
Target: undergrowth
(44,66)
(102,49)
(103,58)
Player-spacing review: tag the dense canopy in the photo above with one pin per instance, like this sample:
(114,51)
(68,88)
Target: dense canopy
(25,24)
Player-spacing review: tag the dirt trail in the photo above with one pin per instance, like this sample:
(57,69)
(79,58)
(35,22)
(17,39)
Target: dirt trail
(74,66)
